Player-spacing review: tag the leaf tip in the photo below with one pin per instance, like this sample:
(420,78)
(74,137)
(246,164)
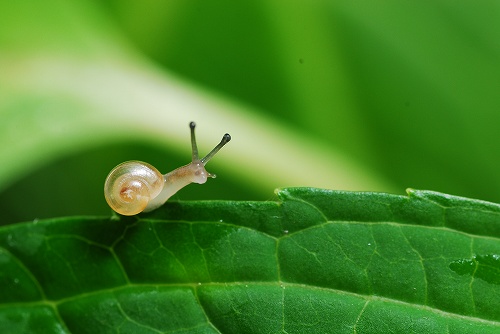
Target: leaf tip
(411,192)
(282,193)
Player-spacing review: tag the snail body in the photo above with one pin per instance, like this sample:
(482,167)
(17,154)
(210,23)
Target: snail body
(135,186)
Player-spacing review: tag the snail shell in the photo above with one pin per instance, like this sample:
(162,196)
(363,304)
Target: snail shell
(131,185)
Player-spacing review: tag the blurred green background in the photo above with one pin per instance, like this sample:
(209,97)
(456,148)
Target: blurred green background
(355,95)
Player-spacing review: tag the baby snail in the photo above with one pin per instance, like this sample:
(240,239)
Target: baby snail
(134,186)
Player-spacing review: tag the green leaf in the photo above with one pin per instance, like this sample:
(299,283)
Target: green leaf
(316,261)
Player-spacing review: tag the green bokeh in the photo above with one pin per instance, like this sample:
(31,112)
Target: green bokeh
(407,90)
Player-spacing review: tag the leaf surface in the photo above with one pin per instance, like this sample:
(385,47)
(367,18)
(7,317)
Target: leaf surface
(315,261)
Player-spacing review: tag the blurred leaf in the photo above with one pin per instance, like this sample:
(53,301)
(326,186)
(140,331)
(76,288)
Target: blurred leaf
(71,84)
(344,95)
(317,261)
(409,89)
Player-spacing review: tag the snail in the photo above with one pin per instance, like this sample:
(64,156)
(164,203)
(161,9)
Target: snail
(135,186)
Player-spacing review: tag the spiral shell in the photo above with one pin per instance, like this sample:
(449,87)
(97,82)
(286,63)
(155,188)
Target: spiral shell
(131,185)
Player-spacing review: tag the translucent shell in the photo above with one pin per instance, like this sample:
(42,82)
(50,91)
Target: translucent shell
(131,185)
